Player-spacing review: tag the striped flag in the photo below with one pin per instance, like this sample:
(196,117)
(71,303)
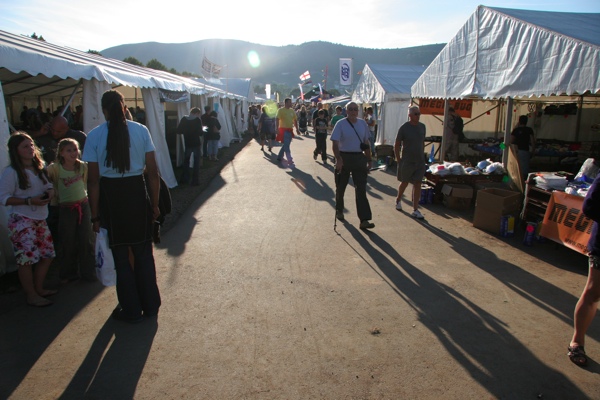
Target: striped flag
(301,92)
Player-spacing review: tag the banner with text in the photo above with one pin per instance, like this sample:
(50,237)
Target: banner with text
(346,71)
(436,107)
(565,223)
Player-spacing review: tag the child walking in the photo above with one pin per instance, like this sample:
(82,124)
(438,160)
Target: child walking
(321,136)
(25,186)
(76,246)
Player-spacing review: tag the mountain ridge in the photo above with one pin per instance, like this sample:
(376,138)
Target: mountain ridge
(278,64)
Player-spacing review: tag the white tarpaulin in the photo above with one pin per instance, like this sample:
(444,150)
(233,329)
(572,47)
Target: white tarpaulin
(518,53)
(387,86)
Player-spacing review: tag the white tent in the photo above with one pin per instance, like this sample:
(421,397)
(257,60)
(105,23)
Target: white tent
(503,54)
(33,71)
(388,88)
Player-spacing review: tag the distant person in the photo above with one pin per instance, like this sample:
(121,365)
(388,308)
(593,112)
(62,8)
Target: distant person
(523,141)
(25,186)
(303,120)
(266,127)
(124,201)
(338,115)
(409,150)
(140,115)
(213,135)
(315,114)
(350,145)
(190,127)
(58,129)
(320,127)
(587,306)
(370,119)
(450,137)
(23,117)
(285,122)
(205,118)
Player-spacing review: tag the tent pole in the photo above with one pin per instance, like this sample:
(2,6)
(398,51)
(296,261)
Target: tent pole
(507,130)
(444,123)
(579,112)
(62,113)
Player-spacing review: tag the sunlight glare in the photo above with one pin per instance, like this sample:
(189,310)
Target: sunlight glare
(253,59)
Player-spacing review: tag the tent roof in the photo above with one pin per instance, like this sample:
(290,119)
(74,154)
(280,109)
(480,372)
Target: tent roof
(502,52)
(379,80)
(37,68)
(241,87)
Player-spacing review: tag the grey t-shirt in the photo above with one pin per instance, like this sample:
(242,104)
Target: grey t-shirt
(412,138)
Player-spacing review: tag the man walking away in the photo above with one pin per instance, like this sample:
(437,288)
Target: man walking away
(411,162)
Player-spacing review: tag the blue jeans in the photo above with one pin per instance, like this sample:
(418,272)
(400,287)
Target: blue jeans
(185,176)
(137,290)
(212,148)
(285,149)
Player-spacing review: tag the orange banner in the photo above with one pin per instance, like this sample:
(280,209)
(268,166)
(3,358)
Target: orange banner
(565,223)
(436,107)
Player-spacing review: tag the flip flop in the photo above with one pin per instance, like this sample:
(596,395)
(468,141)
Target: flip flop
(577,355)
(40,303)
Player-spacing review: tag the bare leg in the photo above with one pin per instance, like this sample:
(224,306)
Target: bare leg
(586,307)
(401,190)
(26,277)
(39,275)
(416,194)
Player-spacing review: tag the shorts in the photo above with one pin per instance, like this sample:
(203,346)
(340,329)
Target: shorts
(31,239)
(410,171)
(594,262)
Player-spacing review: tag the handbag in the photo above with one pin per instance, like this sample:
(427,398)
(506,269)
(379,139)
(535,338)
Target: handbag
(105,263)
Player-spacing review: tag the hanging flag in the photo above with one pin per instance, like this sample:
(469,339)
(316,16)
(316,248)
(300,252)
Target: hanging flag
(301,92)
(210,67)
(432,154)
(321,89)
(305,76)
(346,71)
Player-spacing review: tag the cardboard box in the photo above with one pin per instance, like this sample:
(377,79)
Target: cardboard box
(457,196)
(492,204)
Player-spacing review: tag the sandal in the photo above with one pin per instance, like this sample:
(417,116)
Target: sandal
(577,355)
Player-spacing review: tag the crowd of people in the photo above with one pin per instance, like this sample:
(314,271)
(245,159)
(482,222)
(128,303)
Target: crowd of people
(63,186)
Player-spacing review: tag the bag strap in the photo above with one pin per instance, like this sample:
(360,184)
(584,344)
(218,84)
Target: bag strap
(357,135)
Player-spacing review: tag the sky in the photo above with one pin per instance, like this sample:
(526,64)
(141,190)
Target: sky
(98,25)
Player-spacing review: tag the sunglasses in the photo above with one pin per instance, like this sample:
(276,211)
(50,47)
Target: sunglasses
(417,114)
(352,109)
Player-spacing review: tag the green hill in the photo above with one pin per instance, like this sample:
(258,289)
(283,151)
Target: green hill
(278,65)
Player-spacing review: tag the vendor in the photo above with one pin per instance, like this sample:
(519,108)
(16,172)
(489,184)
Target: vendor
(522,140)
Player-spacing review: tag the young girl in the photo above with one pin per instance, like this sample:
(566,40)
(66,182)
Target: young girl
(76,247)
(25,186)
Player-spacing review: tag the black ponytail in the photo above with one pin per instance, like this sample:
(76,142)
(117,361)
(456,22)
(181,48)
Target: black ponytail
(117,141)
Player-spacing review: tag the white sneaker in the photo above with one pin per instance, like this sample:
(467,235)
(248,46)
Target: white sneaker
(399,205)
(417,214)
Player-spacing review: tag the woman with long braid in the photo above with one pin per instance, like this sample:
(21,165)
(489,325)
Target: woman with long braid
(117,153)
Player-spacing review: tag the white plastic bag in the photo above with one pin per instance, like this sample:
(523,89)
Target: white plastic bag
(105,263)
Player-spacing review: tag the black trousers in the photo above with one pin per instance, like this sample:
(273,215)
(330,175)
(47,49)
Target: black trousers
(355,164)
(321,143)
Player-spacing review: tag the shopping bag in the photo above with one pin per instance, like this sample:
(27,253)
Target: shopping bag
(105,263)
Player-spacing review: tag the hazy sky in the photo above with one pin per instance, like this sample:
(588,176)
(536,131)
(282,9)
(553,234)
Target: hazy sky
(97,25)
